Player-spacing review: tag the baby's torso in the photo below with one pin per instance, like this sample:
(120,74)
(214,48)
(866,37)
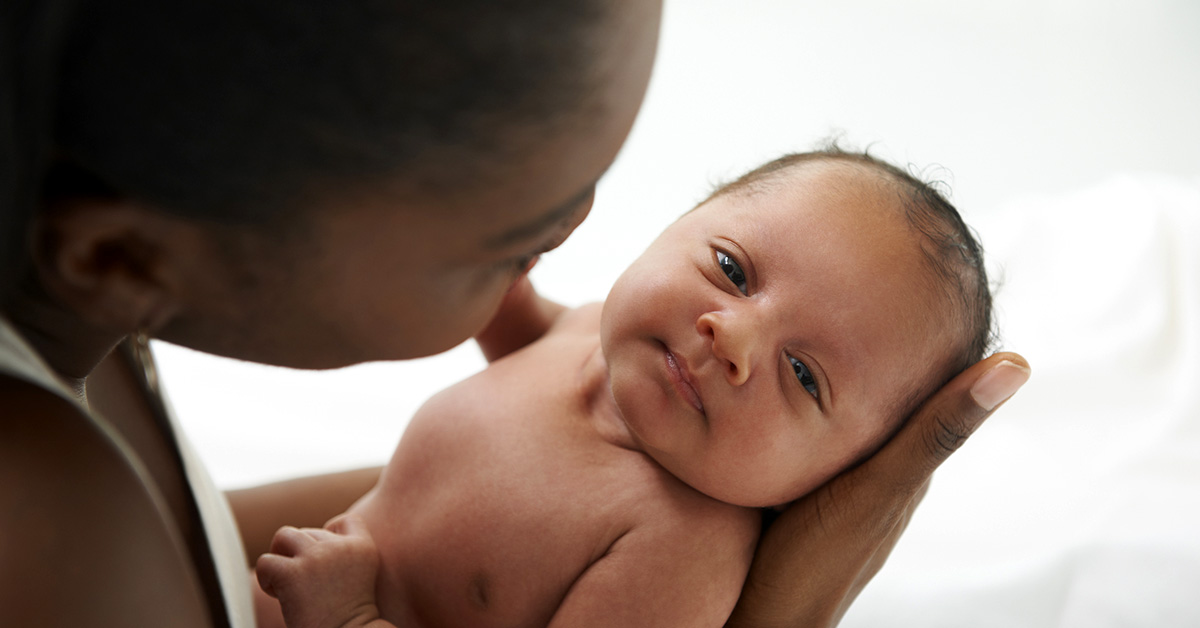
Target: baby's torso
(502,492)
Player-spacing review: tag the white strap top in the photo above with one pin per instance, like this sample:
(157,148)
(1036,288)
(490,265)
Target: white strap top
(19,360)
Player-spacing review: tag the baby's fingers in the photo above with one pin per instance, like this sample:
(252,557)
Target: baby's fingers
(270,570)
(291,541)
(275,567)
(347,525)
(354,537)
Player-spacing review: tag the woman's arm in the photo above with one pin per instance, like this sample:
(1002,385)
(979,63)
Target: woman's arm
(82,540)
(307,502)
(524,316)
(819,554)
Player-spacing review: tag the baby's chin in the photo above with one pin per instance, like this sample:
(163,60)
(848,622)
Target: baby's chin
(730,492)
(746,499)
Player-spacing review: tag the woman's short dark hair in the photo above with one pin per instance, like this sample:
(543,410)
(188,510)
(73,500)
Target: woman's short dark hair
(238,110)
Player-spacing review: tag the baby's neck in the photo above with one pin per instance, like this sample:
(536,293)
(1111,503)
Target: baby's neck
(601,407)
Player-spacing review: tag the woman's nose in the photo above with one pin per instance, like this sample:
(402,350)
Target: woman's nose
(732,343)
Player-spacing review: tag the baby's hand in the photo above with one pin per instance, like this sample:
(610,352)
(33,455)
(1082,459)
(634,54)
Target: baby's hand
(323,578)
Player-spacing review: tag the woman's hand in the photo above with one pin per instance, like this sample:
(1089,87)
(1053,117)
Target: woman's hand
(820,553)
(323,578)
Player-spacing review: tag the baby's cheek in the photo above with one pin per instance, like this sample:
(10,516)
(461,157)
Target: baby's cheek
(863,441)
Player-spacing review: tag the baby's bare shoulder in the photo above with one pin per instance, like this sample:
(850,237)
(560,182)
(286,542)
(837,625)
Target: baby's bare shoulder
(701,515)
(682,564)
(672,512)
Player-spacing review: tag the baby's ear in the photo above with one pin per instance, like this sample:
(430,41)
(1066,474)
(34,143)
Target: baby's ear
(109,260)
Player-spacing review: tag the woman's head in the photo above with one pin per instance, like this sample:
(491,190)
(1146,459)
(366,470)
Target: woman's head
(332,166)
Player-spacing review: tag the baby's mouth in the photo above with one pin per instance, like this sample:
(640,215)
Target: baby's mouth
(682,381)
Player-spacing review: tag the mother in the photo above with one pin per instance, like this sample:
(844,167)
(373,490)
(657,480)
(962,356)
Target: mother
(310,184)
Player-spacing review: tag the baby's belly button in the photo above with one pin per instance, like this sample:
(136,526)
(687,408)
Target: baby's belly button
(479,591)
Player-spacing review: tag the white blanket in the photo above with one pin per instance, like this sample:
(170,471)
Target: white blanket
(1078,504)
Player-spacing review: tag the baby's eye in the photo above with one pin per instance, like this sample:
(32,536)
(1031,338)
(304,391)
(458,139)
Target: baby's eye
(804,375)
(732,270)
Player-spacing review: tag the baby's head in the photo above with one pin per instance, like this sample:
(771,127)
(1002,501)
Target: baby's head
(784,328)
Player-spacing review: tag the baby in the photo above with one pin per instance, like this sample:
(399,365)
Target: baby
(614,470)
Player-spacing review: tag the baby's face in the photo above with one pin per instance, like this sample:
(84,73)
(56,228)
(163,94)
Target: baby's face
(762,343)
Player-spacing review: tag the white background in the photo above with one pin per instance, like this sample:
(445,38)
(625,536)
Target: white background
(1009,103)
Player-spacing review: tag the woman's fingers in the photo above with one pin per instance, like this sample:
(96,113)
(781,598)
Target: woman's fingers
(941,425)
(876,496)
(877,499)
(818,555)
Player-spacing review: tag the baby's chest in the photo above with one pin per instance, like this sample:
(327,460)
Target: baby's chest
(496,504)
(499,554)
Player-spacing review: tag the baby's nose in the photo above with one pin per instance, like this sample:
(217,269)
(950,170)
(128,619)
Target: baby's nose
(731,342)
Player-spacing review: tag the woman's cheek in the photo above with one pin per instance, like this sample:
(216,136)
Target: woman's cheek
(480,305)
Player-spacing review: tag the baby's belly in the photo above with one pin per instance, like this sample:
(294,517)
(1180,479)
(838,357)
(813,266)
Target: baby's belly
(484,566)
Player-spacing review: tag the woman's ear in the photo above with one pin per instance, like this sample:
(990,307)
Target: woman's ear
(112,261)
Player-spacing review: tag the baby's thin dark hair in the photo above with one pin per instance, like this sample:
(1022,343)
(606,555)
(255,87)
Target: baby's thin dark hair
(951,248)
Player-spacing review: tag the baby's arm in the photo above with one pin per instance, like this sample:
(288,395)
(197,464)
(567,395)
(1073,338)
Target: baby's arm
(523,317)
(324,578)
(665,576)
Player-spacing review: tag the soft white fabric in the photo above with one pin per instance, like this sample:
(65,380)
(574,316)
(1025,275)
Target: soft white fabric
(229,554)
(1078,504)
(18,359)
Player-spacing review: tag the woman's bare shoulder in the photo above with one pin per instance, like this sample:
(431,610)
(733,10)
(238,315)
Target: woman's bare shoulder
(80,525)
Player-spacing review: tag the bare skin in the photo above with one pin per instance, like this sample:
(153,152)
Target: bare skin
(853,536)
(386,275)
(541,492)
(476,453)
(119,265)
(641,536)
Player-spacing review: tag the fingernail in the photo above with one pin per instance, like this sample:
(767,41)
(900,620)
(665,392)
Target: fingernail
(999,384)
